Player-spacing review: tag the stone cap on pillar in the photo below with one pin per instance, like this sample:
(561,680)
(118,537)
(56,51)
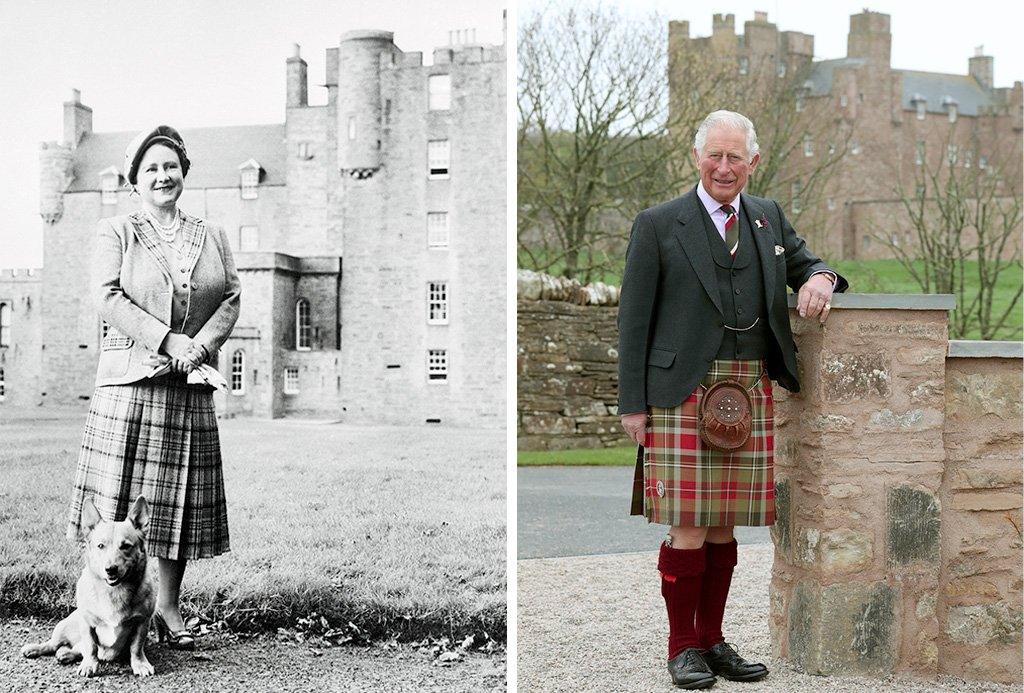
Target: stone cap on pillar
(981,349)
(889,301)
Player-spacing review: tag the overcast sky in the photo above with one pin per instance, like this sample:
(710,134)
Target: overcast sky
(186,63)
(193,63)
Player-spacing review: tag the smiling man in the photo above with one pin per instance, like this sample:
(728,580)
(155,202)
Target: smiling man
(703,330)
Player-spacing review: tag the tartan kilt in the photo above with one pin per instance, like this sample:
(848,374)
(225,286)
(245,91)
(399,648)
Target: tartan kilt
(157,438)
(686,483)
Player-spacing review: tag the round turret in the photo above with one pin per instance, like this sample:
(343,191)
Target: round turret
(359,102)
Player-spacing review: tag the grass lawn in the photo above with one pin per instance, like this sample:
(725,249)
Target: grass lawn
(400,531)
(602,457)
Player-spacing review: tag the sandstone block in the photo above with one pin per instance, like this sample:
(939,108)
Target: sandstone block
(851,377)
(987,501)
(843,550)
(844,490)
(973,394)
(913,526)
(780,531)
(983,624)
(847,628)
(886,418)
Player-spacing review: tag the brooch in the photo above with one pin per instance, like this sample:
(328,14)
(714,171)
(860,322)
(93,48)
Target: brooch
(760,223)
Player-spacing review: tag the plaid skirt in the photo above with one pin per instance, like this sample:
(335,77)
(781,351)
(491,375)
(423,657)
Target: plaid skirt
(683,482)
(157,438)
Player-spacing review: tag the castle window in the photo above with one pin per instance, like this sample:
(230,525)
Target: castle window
(855,147)
(439,92)
(110,179)
(238,372)
(921,105)
(951,152)
(437,230)
(305,150)
(744,65)
(351,127)
(808,145)
(5,324)
(249,172)
(291,380)
(982,162)
(843,101)
(248,238)
(303,329)
(437,365)
(799,101)
(3,386)
(952,112)
(968,158)
(831,203)
(795,191)
(781,70)
(438,158)
(919,153)
(437,303)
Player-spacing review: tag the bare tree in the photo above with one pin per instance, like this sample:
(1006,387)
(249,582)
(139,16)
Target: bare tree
(965,225)
(596,141)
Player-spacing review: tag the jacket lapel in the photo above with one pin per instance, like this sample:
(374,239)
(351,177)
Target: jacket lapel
(764,239)
(147,237)
(689,231)
(194,231)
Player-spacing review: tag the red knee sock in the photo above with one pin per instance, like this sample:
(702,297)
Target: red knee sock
(720,561)
(681,571)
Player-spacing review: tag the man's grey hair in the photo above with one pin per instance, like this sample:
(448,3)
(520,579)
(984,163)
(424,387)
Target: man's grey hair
(729,119)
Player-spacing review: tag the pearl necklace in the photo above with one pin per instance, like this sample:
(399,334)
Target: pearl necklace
(169,232)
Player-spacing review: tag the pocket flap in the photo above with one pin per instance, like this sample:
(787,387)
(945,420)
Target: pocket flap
(114,340)
(662,358)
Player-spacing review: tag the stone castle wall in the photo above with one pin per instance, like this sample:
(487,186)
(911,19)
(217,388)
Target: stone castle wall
(897,471)
(19,360)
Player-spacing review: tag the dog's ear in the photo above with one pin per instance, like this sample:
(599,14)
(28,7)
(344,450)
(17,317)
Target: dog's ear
(139,514)
(90,515)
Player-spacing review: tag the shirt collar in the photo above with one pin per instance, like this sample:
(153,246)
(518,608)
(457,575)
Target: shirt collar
(710,203)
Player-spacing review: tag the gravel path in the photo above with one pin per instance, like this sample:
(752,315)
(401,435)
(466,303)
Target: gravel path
(597,623)
(230,665)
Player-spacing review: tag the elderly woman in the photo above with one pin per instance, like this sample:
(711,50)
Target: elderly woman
(167,287)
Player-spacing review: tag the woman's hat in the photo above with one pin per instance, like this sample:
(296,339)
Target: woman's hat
(161,134)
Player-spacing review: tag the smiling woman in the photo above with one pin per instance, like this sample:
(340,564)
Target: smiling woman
(166,284)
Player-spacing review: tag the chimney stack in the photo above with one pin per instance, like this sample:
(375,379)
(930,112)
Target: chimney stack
(77,119)
(980,67)
(298,89)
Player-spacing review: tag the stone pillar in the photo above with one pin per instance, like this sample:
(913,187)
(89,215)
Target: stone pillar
(859,464)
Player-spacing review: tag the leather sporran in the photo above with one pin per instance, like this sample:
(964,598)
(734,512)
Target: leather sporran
(724,417)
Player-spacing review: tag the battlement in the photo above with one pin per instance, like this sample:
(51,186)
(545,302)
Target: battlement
(18,274)
(723,22)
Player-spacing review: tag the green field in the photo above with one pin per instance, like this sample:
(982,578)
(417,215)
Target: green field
(603,457)
(384,532)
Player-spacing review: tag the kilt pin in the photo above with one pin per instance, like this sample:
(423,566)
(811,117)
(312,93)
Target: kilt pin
(700,304)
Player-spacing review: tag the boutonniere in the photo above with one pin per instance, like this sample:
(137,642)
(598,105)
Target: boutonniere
(761,223)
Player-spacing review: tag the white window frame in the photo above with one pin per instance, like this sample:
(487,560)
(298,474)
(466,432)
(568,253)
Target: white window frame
(437,302)
(305,150)
(439,92)
(291,380)
(250,183)
(439,156)
(855,148)
(921,106)
(438,232)
(951,153)
(808,145)
(437,365)
(351,127)
(246,233)
(303,326)
(843,101)
(5,323)
(831,203)
(795,189)
(919,153)
(108,193)
(744,65)
(3,385)
(237,382)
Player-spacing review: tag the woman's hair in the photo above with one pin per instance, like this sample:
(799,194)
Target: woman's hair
(161,134)
(729,119)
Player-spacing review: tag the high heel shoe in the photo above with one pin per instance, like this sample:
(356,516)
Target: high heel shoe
(176,639)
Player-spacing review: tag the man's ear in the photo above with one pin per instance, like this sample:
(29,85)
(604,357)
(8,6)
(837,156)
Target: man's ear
(753,162)
(696,158)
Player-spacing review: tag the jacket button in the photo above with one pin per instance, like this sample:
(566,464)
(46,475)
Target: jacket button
(184,286)
(183,270)
(737,292)
(194,286)
(739,311)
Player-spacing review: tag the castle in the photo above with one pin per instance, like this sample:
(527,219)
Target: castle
(898,121)
(369,235)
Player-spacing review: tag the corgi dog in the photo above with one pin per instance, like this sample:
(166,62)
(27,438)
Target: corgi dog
(115,596)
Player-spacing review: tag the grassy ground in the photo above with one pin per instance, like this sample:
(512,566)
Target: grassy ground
(385,532)
(604,457)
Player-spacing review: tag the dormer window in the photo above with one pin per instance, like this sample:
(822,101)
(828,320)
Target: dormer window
(110,181)
(249,175)
(920,103)
(951,107)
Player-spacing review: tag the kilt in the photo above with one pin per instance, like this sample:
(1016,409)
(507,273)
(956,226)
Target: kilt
(687,483)
(157,438)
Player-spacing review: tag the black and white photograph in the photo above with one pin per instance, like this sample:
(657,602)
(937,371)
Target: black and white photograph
(253,346)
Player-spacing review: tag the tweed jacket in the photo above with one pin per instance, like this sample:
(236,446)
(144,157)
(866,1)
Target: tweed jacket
(671,322)
(134,290)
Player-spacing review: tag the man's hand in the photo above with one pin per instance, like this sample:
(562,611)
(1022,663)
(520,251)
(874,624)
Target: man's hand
(635,425)
(815,297)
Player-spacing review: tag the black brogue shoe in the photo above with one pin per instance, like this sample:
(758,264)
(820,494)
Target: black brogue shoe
(725,661)
(689,670)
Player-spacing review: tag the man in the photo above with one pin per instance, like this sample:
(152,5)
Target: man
(704,300)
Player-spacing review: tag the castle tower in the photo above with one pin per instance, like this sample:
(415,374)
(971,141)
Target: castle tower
(56,162)
(359,101)
(297,82)
(869,38)
(980,67)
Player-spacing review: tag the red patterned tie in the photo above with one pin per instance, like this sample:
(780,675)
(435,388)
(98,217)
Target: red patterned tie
(732,233)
